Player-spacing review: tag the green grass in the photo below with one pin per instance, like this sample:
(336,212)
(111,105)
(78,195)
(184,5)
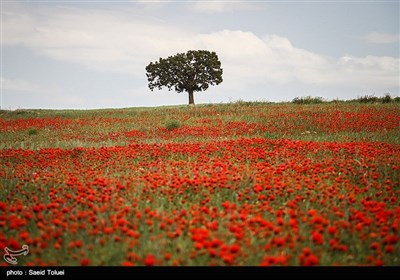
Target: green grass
(172,124)
(107,127)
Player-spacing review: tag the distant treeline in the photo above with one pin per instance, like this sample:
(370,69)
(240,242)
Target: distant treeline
(387,98)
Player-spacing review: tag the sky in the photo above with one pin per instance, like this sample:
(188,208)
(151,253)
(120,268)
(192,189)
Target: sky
(93,54)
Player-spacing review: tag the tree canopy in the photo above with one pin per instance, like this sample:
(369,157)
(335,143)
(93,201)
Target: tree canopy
(191,71)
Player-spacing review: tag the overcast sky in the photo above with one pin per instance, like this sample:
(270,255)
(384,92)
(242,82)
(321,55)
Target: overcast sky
(93,54)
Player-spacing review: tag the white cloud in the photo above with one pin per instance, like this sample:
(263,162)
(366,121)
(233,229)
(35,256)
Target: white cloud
(153,5)
(24,85)
(220,6)
(98,40)
(20,93)
(370,70)
(382,38)
(119,42)
(249,59)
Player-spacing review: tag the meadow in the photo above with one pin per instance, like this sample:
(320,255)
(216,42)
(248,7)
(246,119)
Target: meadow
(242,184)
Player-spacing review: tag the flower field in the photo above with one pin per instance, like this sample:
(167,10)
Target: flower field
(229,184)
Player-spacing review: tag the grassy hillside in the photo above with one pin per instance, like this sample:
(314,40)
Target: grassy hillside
(35,129)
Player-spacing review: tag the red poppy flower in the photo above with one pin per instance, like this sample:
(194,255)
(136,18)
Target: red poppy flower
(311,260)
(332,230)
(317,238)
(108,230)
(257,188)
(228,259)
(3,206)
(234,248)
(167,256)
(279,241)
(374,245)
(13,244)
(85,262)
(212,252)
(389,249)
(390,239)
(127,263)
(198,245)
(149,260)
(78,243)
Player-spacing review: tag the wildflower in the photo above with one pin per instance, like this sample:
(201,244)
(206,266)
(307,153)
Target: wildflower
(279,241)
(317,238)
(85,262)
(312,260)
(234,248)
(149,260)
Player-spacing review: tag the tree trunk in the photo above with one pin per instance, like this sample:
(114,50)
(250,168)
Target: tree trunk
(191,97)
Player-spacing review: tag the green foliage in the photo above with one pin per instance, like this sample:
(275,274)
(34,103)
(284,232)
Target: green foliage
(387,98)
(32,131)
(270,135)
(190,72)
(241,102)
(367,99)
(307,100)
(172,124)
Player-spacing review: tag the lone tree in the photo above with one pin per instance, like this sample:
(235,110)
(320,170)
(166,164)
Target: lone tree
(190,72)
